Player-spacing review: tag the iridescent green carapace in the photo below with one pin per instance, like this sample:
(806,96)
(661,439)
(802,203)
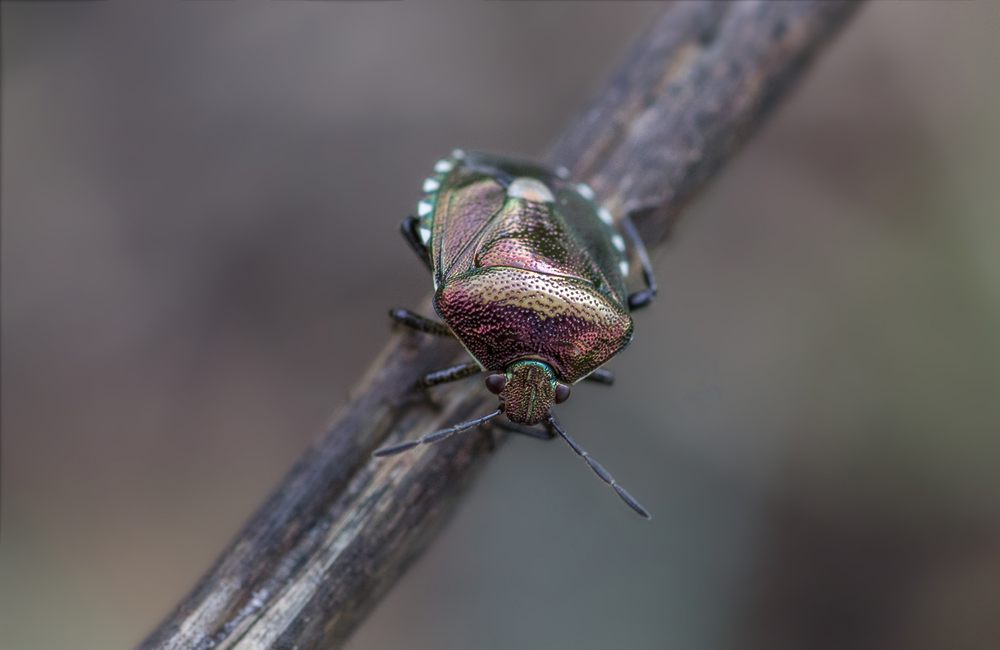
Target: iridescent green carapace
(524,267)
(530,275)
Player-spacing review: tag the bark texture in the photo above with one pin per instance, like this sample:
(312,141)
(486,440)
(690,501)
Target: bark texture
(341,527)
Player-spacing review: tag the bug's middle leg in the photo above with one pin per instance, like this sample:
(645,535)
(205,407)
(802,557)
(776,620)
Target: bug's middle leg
(417,322)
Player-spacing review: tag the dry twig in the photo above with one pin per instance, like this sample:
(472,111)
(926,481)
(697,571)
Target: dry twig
(342,527)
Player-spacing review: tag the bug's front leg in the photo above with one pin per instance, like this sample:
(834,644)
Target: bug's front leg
(461,371)
(417,322)
(531,432)
(421,388)
(601,376)
(411,233)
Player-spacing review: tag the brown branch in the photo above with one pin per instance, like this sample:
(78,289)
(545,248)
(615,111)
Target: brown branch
(342,526)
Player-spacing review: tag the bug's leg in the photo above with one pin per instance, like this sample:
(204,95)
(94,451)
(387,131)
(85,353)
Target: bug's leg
(601,376)
(409,228)
(420,391)
(640,299)
(417,322)
(531,432)
(554,428)
(461,371)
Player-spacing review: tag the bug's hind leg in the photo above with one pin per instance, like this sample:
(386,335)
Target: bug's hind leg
(601,376)
(640,299)
(410,229)
(417,322)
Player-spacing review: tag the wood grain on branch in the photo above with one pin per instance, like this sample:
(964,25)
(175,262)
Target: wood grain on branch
(342,526)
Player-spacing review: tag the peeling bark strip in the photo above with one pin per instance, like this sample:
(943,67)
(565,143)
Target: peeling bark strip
(342,526)
(689,94)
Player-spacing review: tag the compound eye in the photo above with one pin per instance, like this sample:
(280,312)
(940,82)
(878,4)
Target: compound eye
(495,383)
(562,393)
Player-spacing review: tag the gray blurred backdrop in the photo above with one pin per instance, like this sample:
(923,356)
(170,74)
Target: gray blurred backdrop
(199,244)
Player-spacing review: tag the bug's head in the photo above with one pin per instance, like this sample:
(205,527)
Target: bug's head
(528,389)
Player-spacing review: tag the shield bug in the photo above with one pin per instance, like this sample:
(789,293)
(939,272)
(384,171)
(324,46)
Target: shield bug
(530,275)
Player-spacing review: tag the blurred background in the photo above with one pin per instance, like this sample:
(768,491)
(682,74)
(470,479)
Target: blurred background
(199,244)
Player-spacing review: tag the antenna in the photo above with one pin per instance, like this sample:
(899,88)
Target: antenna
(600,471)
(436,436)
